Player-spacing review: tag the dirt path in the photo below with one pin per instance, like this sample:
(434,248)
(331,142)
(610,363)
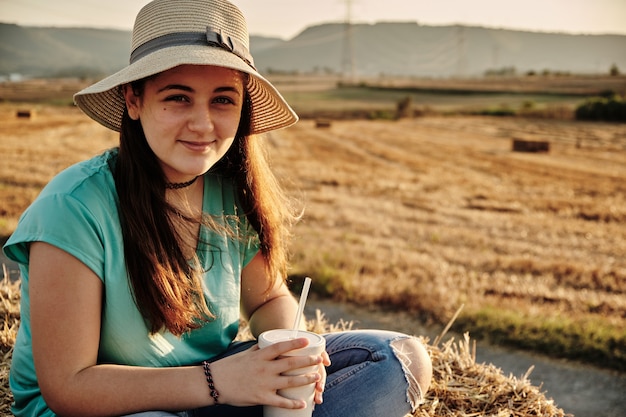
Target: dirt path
(578,389)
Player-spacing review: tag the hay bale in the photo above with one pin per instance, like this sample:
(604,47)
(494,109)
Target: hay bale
(525,145)
(322,123)
(24,114)
(460,386)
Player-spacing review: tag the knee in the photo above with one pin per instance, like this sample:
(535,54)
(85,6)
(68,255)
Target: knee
(417,365)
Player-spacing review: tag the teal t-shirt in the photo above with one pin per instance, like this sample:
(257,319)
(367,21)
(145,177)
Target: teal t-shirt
(78,212)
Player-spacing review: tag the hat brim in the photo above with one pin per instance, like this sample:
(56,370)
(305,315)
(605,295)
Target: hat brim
(104,102)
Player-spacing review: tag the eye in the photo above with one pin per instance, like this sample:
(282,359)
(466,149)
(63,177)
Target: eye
(177,98)
(223,100)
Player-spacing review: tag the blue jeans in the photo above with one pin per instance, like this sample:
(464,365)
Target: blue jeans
(366,378)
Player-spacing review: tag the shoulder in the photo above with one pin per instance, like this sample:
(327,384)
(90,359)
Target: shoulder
(92,176)
(84,191)
(78,205)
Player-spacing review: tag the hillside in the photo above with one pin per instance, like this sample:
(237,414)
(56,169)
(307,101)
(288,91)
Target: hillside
(52,52)
(443,51)
(389,48)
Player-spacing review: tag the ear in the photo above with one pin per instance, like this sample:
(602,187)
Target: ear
(132,101)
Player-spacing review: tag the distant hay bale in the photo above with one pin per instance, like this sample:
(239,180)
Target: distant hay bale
(460,387)
(322,123)
(25,114)
(524,145)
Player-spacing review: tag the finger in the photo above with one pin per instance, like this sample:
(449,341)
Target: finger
(319,392)
(281,348)
(319,386)
(292,381)
(288,363)
(282,402)
(319,397)
(326,359)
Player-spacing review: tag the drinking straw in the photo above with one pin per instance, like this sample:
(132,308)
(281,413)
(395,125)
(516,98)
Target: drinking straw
(303,296)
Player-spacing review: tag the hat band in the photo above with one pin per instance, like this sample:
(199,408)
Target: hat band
(212,37)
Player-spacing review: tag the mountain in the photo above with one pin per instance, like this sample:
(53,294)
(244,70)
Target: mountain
(41,51)
(398,48)
(391,48)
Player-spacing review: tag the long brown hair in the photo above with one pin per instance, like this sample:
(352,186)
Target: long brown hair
(168,288)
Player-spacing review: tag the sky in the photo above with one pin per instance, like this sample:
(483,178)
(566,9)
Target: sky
(286,18)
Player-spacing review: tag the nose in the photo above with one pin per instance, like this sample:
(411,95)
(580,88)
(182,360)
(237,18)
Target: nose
(200,120)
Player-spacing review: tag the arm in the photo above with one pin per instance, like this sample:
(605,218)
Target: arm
(275,309)
(66,303)
(264,310)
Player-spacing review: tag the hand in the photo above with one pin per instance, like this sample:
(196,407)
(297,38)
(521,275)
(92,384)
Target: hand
(319,385)
(252,377)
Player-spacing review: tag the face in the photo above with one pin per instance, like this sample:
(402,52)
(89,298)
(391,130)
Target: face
(190,115)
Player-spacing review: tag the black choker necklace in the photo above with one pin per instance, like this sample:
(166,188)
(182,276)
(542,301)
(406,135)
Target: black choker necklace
(179,185)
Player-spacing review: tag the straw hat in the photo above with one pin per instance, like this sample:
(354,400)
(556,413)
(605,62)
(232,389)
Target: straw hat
(168,33)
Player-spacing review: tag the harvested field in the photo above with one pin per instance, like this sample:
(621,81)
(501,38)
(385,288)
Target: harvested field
(428,214)
(425,215)
(34,150)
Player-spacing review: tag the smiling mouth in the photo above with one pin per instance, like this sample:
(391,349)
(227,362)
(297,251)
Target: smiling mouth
(197,146)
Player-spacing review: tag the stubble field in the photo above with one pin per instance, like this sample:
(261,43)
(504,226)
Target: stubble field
(429,214)
(425,215)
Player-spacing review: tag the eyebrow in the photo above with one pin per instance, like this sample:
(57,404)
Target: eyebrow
(191,90)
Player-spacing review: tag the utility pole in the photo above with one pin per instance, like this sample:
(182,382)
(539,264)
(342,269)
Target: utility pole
(496,57)
(348,64)
(461,68)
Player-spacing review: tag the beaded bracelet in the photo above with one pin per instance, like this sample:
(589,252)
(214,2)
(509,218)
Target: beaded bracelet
(209,379)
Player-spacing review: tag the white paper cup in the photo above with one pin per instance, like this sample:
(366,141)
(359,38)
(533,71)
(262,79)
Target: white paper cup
(316,346)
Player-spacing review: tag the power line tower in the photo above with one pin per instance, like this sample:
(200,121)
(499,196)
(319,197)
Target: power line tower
(348,64)
(461,64)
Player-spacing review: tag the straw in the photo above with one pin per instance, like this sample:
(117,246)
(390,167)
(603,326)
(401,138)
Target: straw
(303,296)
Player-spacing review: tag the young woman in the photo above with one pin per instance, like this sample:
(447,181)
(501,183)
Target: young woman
(137,264)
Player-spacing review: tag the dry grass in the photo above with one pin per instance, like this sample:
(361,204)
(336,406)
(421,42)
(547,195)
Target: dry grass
(441,206)
(427,214)
(462,387)
(34,150)
(9,322)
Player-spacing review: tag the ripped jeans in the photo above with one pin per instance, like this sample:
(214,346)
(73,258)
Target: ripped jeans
(368,376)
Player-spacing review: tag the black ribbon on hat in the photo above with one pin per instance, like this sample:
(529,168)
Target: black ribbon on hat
(212,37)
